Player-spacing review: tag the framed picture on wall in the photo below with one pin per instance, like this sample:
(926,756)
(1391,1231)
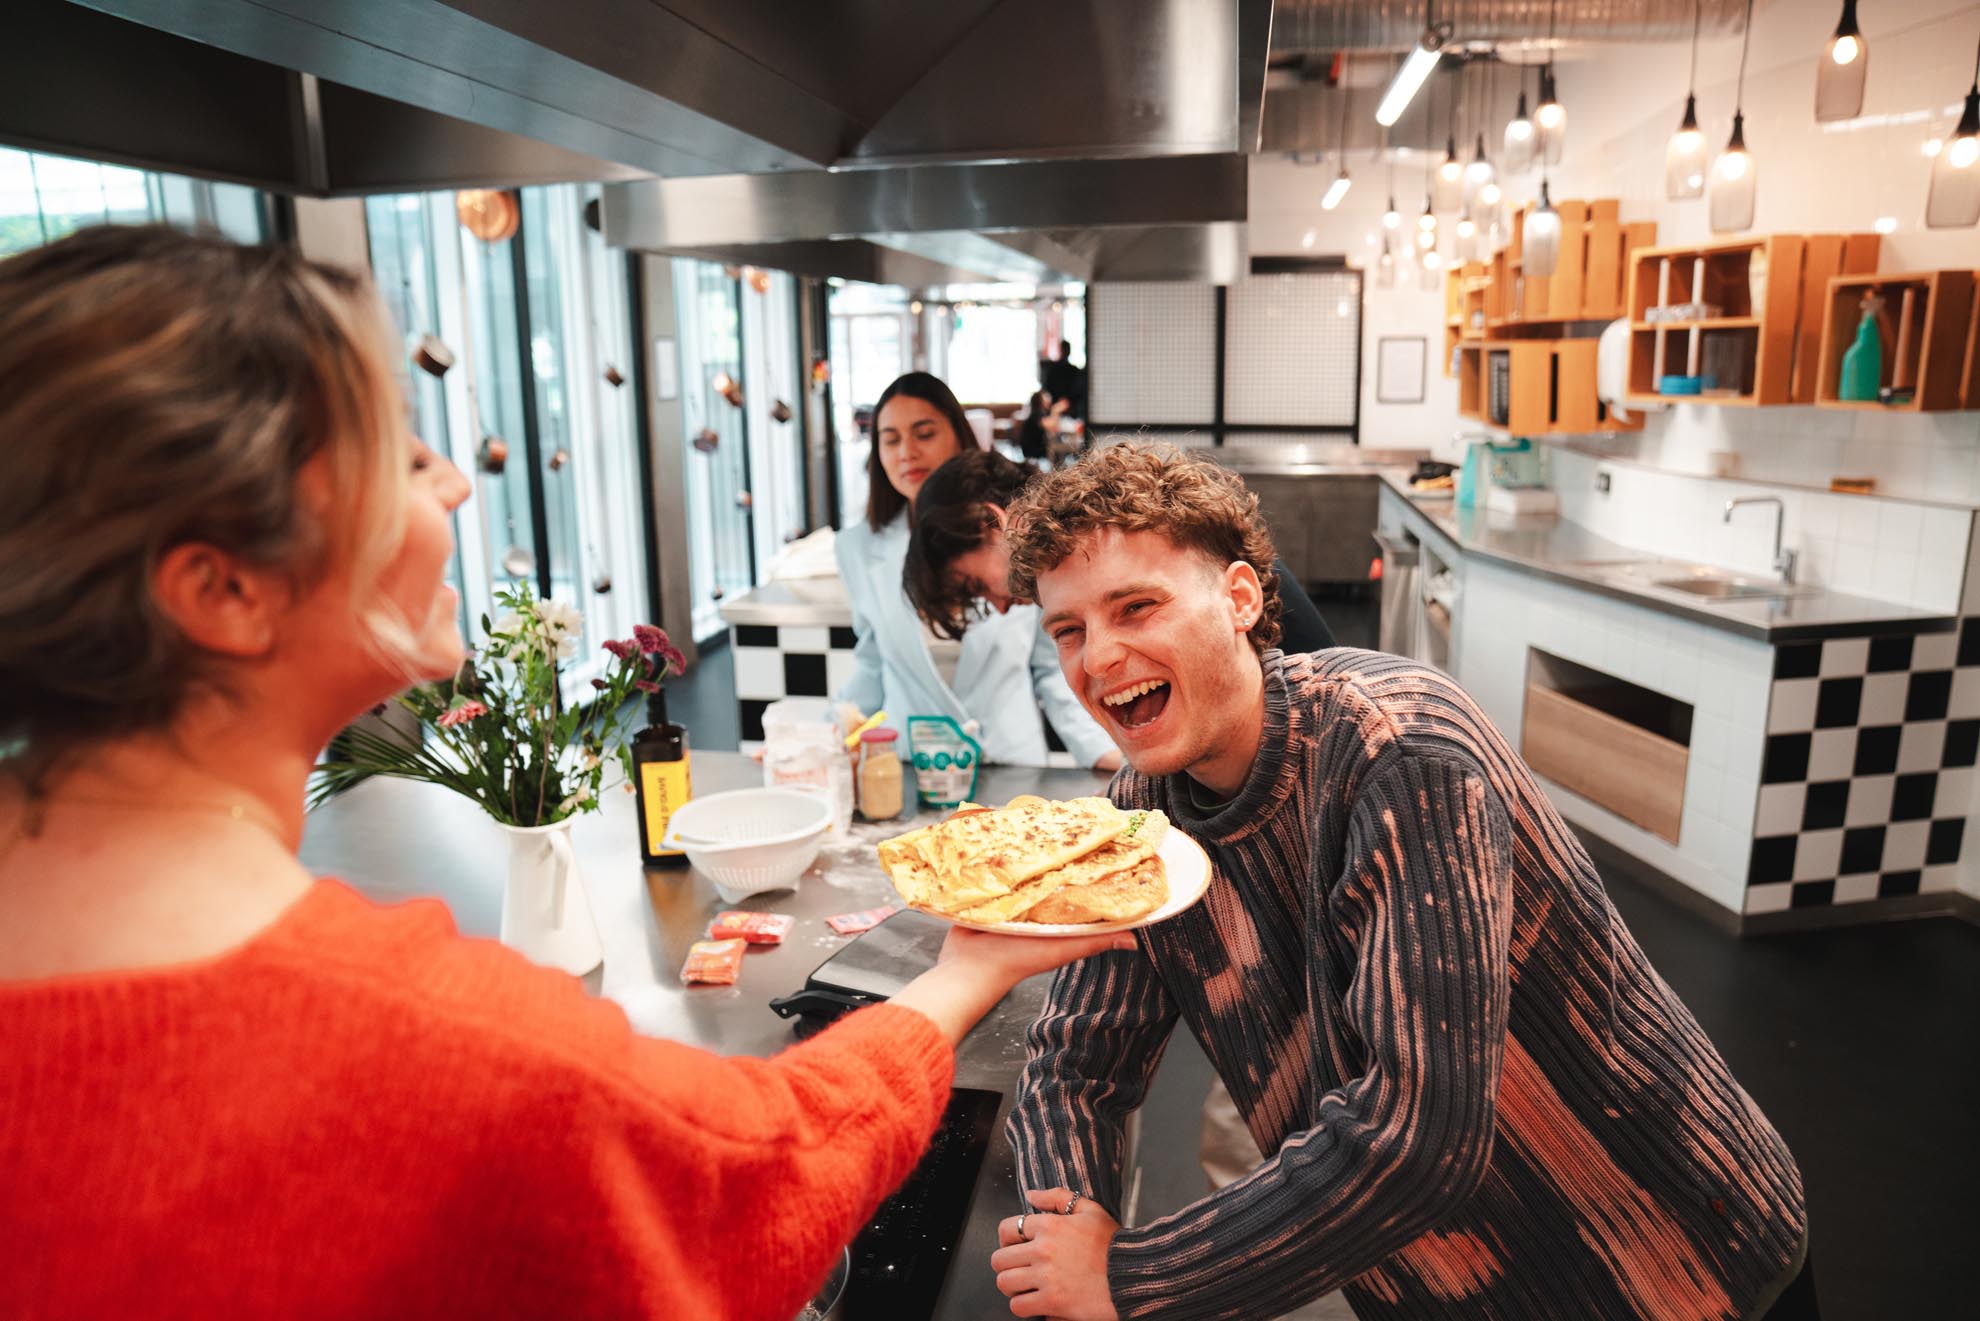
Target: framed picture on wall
(1399,362)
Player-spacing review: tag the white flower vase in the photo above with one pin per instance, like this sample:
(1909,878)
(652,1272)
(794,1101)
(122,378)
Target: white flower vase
(546,916)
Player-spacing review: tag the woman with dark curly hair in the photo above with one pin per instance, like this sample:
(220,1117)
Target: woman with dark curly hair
(958,564)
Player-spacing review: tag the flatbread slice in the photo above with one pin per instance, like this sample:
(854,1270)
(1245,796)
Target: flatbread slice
(1119,897)
(1116,855)
(969,860)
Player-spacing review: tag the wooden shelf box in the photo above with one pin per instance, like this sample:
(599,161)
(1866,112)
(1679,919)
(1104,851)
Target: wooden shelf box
(1620,746)
(1927,334)
(1772,344)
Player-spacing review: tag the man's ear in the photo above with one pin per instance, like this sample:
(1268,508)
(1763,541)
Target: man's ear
(998,516)
(218,602)
(1247,596)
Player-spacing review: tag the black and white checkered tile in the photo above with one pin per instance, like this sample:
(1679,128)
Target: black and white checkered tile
(775,661)
(1868,773)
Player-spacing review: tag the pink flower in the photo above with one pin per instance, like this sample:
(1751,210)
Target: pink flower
(623,650)
(646,685)
(600,685)
(461,714)
(651,640)
(675,660)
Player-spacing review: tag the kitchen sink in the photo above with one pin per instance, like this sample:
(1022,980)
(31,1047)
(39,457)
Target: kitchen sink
(1724,589)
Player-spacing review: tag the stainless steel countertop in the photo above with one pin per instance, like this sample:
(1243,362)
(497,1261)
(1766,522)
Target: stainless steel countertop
(1307,459)
(395,840)
(1551,547)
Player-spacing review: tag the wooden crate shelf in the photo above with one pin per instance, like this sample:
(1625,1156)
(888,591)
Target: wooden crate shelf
(1769,347)
(1927,334)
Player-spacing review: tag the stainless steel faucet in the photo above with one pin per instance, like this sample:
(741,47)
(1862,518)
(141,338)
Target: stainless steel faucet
(1783,559)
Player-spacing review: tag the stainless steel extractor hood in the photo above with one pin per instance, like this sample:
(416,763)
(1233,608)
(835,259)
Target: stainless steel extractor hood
(1172,218)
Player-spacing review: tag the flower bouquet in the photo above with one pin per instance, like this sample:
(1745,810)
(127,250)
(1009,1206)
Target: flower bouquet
(497,732)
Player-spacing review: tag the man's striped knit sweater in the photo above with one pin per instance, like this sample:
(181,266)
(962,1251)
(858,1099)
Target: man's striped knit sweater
(1480,1098)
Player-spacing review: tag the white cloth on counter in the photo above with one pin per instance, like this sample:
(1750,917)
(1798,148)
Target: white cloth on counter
(1006,667)
(808,557)
(1612,369)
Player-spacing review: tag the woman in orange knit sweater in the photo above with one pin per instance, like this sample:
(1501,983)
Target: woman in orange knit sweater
(229,1089)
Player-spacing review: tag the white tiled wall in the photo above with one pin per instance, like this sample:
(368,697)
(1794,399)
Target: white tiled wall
(1892,550)
(1723,676)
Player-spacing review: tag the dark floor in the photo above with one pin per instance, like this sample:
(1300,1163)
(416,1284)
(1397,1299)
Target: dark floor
(1862,1045)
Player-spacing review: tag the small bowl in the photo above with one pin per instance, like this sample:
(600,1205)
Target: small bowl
(750,841)
(824,1304)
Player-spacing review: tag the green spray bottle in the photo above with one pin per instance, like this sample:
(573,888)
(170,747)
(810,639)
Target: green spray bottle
(1863,363)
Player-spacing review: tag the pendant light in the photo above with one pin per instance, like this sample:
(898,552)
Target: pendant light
(1840,72)
(1426,224)
(1550,117)
(1478,172)
(1486,198)
(1449,188)
(1338,189)
(1733,182)
(1540,242)
(1391,218)
(1684,159)
(1954,199)
(1520,133)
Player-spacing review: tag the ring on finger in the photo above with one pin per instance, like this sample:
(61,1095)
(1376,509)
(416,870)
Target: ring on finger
(1073,1201)
(1020,1226)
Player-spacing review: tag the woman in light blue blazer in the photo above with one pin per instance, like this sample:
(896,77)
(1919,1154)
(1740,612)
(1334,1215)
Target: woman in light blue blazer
(1004,668)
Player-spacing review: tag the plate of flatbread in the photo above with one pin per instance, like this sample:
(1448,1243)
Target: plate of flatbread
(1036,867)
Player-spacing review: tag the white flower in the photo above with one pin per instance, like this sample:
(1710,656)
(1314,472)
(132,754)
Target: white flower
(566,648)
(510,623)
(559,619)
(576,799)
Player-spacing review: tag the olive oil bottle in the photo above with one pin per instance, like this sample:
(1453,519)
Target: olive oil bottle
(662,780)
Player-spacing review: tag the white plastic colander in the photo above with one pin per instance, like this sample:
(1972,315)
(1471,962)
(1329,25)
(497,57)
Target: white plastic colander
(748,841)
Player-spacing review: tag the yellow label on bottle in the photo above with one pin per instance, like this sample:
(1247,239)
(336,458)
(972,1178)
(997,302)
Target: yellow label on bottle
(663,786)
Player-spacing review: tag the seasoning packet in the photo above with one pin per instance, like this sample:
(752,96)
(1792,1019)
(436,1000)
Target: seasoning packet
(756,928)
(851,924)
(713,962)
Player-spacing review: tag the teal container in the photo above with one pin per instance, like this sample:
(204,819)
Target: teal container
(1467,478)
(1863,363)
(945,760)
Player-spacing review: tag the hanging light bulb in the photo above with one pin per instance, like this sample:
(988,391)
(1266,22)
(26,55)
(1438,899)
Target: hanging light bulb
(1550,118)
(1450,178)
(1392,218)
(1541,240)
(1431,261)
(1479,172)
(1684,158)
(1339,187)
(1519,137)
(1733,175)
(1954,199)
(1336,190)
(1840,71)
(1426,226)
(1733,183)
(1490,194)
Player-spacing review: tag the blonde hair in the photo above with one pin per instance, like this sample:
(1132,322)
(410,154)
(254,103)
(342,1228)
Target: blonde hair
(1197,503)
(159,388)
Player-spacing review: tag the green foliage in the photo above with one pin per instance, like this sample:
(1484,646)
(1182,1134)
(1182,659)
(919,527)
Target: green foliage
(497,732)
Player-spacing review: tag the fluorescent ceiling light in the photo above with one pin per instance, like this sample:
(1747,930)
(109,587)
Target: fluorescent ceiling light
(1409,78)
(1336,191)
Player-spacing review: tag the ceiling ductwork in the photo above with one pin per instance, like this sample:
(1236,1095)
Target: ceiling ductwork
(1326,26)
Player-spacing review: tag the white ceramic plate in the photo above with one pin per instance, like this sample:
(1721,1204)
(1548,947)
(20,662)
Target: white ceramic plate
(1186,865)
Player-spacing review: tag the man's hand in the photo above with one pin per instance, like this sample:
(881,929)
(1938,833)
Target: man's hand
(1109,761)
(1059,1267)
